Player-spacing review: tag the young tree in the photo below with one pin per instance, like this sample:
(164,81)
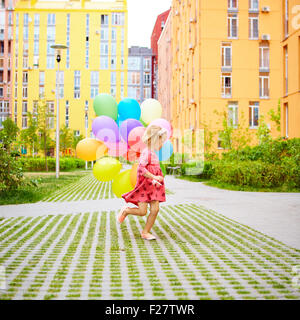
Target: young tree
(65,138)
(29,136)
(263,131)
(44,119)
(276,116)
(75,141)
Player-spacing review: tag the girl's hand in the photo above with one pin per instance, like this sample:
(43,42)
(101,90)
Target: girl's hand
(159,178)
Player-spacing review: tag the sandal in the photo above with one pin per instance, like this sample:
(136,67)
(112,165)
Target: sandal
(121,217)
(148,236)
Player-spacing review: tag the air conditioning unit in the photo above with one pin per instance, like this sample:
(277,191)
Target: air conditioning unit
(176,13)
(29,68)
(265,9)
(97,32)
(193,20)
(192,101)
(266,37)
(191,46)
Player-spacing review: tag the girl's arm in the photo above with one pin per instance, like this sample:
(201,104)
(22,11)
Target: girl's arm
(142,166)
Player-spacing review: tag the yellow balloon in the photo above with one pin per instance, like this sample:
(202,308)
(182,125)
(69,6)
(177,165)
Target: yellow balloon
(151,109)
(86,149)
(122,183)
(106,168)
(133,174)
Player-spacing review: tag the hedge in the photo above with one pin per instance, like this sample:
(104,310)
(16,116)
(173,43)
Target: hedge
(38,164)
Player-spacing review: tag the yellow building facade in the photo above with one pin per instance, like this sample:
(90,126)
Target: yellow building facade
(95,61)
(290,45)
(226,56)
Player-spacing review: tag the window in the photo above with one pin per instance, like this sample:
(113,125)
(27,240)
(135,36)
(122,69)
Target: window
(253,27)
(104,20)
(134,78)
(60,79)
(51,19)
(25,62)
(123,34)
(77,133)
(67,114)
(25,92)
(24,122)
(286,65)
(113,62)
(42,78)
(50,109)
(253,5)
(226,55)
(264,57)
(103,62)
(253,114)
(94,83)
(76,84)
(226,85)
(25,77)
(233,4)
(36,19)
(232,25)
(233,114)
(113,49)
(113,34)
(24,107)
(147,78)
(113,78)
(1,92)
(104,48)
(147,93)
(118,18)
(104,34)
(113,91)
(286,18)
(134,63)
(122,78)
(147,64)
(264,86)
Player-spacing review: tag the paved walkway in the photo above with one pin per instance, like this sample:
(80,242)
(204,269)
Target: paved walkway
(211,244)
(275,214)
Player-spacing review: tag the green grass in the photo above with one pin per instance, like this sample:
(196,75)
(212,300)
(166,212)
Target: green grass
(227,186)
(46,184)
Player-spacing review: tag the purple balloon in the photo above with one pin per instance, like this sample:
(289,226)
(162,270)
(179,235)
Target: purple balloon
(127,126)
(105,129)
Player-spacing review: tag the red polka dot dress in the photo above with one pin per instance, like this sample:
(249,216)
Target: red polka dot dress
(144,190)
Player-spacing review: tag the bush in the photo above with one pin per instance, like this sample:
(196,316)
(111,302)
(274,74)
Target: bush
(38,164)
(249,173)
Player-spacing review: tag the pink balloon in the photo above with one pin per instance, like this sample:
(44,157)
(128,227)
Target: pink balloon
(117,149)
(163,123)
(135,139)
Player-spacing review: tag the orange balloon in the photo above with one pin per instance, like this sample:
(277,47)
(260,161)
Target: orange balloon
(102,151)
(132,156)
(86,149)
(133,174)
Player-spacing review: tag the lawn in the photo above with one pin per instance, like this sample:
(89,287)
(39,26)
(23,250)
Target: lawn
(43,185)
(227,186)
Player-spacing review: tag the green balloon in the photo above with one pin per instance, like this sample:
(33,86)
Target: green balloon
(106,105)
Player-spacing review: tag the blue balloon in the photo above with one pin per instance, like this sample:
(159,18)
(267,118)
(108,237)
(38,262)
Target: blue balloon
(119,121)
(166,151)
(129,109)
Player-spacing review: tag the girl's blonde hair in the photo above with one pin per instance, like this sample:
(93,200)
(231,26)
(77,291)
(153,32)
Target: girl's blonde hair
(153,133)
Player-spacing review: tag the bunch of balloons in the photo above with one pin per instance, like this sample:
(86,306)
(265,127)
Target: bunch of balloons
(118,131)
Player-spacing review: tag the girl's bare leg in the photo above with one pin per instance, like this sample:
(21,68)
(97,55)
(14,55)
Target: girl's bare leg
(154,209)
(140,211)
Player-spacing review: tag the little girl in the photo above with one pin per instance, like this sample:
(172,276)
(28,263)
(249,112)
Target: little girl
(150,187)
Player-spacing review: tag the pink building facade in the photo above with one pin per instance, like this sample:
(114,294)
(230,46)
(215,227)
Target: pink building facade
(164,76)
(6,57)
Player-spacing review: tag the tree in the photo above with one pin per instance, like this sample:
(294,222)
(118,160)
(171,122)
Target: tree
(11,175)
(276,116)
(44,119)
(29,136)
(75,141)
(65,138)
(263,131)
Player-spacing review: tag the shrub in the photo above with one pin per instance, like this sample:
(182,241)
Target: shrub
(249,173)
(38,164)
